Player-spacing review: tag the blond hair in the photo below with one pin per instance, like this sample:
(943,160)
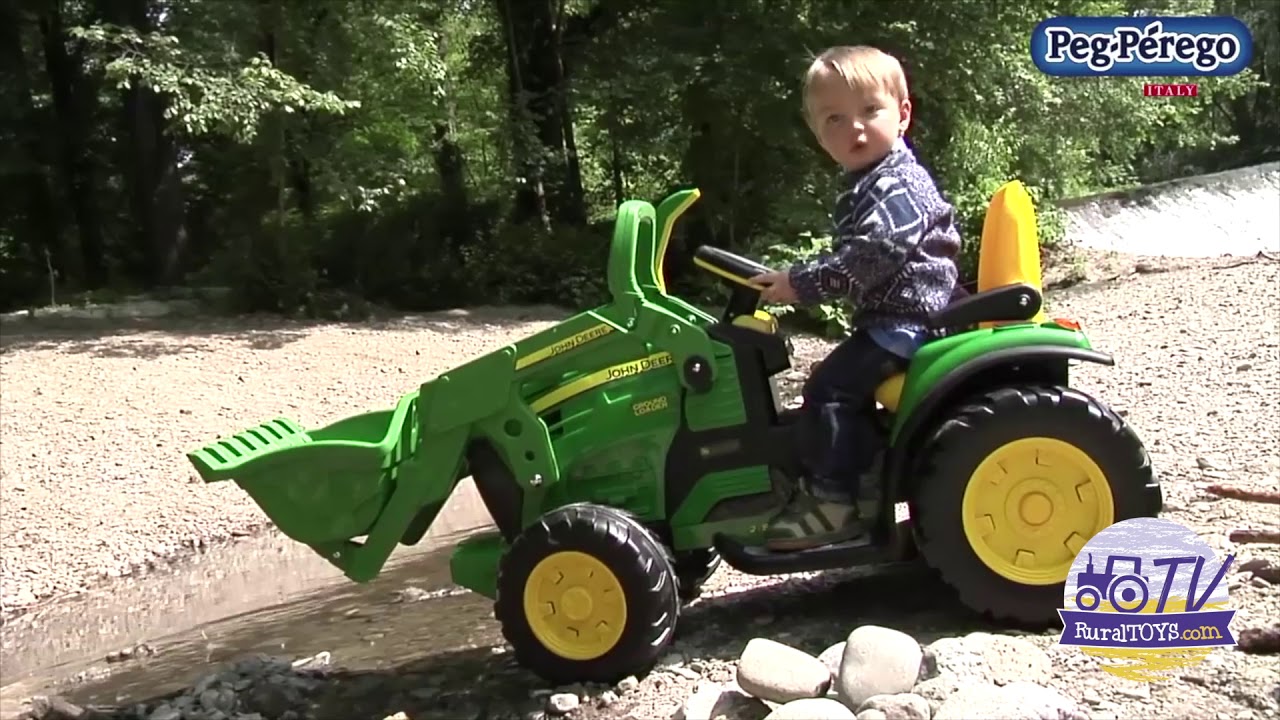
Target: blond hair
(860,67)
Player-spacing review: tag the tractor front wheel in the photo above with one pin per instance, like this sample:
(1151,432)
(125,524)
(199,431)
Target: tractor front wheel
(1012,485)
(587,594)
(693,569)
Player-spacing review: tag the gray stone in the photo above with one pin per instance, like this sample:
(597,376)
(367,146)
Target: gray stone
(812,709)
(562,703)
(877,661)
(902,706)
(165,712)
(1015,701)
(773,671)
(981,657)
(831,658)
(721,702)
(936,690)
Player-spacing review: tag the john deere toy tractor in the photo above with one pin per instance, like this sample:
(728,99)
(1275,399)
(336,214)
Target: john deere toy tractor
(627,450)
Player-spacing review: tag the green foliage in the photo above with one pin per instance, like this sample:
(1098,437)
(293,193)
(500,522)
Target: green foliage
(828,318)
(430,155)
(231,98)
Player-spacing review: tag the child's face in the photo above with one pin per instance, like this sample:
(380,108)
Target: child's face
(857,127)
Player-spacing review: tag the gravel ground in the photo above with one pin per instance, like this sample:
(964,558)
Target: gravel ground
(1197,347)
(97,419)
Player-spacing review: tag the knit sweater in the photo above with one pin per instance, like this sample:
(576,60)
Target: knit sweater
(894,248)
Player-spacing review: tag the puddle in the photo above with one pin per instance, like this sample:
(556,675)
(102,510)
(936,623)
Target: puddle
(265,594)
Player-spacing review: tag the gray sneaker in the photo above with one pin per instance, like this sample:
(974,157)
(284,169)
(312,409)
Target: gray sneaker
(808,522)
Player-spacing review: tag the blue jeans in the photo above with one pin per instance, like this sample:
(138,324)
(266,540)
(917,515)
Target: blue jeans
(838,424)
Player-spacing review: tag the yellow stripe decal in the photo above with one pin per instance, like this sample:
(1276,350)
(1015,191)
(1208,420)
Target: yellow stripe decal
(659,270)
(726,275)
(558,348)
(600,377)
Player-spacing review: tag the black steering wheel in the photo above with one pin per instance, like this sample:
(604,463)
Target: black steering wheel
(736,271)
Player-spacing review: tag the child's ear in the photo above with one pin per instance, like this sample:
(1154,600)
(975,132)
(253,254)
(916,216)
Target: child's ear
(904,111)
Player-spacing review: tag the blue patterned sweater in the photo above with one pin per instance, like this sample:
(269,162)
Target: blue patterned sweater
(893,252)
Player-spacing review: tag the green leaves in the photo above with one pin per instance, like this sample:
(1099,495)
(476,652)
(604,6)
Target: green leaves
(373,144)
(205,95)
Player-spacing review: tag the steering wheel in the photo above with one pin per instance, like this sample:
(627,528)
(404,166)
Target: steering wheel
(736,271)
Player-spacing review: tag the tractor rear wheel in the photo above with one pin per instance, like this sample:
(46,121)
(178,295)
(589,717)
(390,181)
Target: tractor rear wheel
(1012,485)
(587,594)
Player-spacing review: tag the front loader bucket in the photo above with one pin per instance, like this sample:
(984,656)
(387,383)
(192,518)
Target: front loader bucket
(322,486)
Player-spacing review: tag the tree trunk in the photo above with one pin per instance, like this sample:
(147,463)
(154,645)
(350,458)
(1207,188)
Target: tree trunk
(41,235)
(550,188)
(156,195)
(74,99)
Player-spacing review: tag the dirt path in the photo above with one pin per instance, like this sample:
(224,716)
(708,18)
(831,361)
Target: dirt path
(1197,347)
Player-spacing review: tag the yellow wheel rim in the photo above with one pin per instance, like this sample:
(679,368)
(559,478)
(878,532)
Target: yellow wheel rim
(1031,505)
(575,605)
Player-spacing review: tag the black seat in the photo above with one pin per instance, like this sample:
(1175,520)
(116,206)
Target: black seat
(1018,302)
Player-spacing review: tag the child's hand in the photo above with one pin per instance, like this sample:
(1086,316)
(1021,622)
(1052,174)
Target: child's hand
(777,288)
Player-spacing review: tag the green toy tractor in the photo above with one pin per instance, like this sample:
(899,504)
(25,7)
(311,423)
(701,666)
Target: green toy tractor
(626,451)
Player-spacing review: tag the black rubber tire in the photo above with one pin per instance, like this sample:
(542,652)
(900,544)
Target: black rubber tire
(642,566)
(693,569)
(966,435)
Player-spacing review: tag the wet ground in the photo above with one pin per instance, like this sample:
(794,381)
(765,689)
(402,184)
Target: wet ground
(408,641)
(147,635)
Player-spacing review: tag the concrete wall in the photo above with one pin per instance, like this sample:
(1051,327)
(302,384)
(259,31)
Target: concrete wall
(1236,212)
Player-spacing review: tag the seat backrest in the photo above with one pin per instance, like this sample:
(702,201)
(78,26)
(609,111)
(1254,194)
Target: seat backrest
(1010,247)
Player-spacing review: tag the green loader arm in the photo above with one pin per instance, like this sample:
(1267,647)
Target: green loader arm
(383,476)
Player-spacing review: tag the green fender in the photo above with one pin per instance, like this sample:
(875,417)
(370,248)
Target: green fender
(948,370)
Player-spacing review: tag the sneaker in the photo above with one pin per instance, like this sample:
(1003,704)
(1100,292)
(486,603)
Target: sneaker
(809,522)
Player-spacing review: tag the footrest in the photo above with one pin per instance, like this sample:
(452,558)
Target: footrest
(763,561)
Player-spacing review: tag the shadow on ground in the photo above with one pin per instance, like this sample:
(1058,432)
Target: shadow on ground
(454,664)
(154,337)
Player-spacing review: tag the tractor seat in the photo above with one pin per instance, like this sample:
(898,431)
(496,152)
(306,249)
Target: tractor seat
(1016,302)
(1008,285)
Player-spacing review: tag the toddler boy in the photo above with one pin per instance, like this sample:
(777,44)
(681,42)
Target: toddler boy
(893,258)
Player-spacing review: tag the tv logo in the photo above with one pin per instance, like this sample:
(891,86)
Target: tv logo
(1148,594)
(1141,46)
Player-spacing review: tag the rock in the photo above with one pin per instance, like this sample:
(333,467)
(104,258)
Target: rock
(411,594)
(1253,565)
(773,671)
(165,712)
(877,661)
(980,657)
(727,701)
(627,684)
(57,708)
(398,716)
(831,658)
(1013,701)
(562,703)
(811,709)
(872,714)
(1137,691)
(936,690)
(902,706)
